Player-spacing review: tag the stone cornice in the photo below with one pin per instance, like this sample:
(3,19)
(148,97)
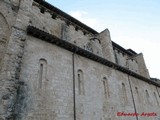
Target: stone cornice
(33,31)
(70,19)
(65,15)
(118,47)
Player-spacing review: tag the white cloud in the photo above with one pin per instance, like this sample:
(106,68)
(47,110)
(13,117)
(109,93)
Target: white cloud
(83,16)
(139,43)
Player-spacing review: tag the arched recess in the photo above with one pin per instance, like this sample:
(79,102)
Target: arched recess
(106,87)
(138,94)
(124,95)
(147,100)
(80,77)
(4,35)
(42,72)
(156,98)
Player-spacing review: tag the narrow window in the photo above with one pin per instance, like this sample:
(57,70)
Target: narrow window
(80,82)
(42,72)
(147,97)
(156,98)
(124,93)
(40,75)
(137,92)
(106,87)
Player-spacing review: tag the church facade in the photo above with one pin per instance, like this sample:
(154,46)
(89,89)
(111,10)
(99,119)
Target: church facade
(53,67)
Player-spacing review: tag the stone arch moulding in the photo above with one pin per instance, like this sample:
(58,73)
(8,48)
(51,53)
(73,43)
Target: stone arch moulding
(106,86)
(80,78)
(42,72)
(4,35)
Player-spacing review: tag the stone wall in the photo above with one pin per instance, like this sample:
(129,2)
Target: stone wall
(39,80)
(47,83)
(13,18)
(69,84)
(134,63)
(58,26)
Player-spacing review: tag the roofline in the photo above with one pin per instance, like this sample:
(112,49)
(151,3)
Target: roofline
(123,50)
(77,22)
(65,15)
(37,33)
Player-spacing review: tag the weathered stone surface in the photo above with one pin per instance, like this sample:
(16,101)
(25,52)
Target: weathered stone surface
(142,66)
(41,81)
(107,47)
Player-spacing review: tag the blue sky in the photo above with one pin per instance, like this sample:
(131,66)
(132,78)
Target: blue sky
(133,24)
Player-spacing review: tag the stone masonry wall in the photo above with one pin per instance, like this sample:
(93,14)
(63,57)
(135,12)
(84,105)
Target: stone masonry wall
(60,28)
(41,81)
(47,83)
(100,92)
(14,16)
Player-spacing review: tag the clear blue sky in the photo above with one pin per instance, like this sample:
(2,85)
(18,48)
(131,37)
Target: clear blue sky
(133,23)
